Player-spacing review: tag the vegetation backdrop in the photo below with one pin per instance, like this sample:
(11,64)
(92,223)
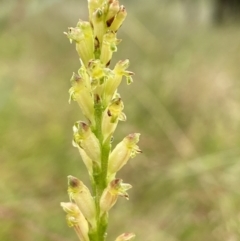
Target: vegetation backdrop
(185,101)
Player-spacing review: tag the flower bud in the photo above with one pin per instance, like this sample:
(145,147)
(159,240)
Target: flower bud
(99,26)
(79,92)
(109,46)
(110,194)
(76,219)
(92,6)
(81,195)
(111,117)
(84,138)
(112,11)
(126,237)
(118,20)
(122,152)
(99,73)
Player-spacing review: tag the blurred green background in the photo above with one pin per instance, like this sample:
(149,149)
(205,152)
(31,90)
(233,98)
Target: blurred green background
(185,101)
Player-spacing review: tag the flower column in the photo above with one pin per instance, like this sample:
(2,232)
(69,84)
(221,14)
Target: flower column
(94,88)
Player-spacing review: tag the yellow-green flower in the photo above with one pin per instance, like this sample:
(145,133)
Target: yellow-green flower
(110,195)
(80,194)
(76,220)
(111,116)
(83,36)
(83,96)
(86,139)
(126,149)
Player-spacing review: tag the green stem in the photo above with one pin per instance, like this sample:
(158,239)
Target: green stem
(100,175)
(105,155)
